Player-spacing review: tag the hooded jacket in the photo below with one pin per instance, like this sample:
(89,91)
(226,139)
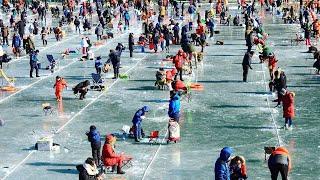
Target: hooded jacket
(137,116)
(221,168)
(94,138)
(174,106)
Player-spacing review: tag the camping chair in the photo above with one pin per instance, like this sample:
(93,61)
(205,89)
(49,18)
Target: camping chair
(97,82)
(268,150)
(52,63)
(154,136)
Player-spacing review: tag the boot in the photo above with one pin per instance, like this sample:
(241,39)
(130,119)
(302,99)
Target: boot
(114,168)
(119,171)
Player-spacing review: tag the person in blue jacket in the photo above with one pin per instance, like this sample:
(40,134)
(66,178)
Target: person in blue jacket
(174,107)
(95,139)
(34,63)
(137,122)
(98,65)
(221,168)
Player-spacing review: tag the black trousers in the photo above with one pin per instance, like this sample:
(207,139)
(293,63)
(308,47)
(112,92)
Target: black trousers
(179,71)
(282,168)
(245,72)
(96,154)
(249,48)
(82,94)
(5,40)
(34,65)
(98,69)
(116,70)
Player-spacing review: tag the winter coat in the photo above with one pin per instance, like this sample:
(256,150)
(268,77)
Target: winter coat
(5,32)
(114,58)
(83,174)
(137,116)
(95,139)
(288,104)
(174,106)
(80,87)
(221,168)
(179,86)
(178,61)
(249,39)
(33,58)
(99,30)
(16,42)
(109,157)
(59,85)
(279,156)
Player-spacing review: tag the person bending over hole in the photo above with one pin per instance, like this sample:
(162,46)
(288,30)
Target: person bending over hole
(82,88)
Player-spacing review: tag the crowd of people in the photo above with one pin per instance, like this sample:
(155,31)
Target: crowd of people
(170,23)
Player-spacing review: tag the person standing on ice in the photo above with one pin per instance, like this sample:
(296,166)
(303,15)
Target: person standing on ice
(221,167)
(279,161)
(59,85)
(246,64)
(137,122)
(95,139)
(287,99)
(131,44)
(114,58)
(34,63)
(174,107)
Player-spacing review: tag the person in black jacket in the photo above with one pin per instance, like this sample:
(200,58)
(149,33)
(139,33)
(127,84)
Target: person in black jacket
(131,43)
(246,64)
(249,39)
(81,88)
(95,139)
(114,58)
(88,170)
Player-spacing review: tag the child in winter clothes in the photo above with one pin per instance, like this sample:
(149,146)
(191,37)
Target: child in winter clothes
(59,85)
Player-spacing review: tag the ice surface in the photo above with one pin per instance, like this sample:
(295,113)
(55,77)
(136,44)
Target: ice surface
(227,113)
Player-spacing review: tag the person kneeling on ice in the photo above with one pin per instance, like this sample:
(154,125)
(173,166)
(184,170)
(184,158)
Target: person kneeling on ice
(238,169)
(89,170)
(221,168)
(287,99)
(59,85)
(279,161)
(82,88)
(137,122)
(174,107)
(109,157)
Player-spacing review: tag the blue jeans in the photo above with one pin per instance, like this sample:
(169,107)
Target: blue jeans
(288,121)
(142,49)
(137,132)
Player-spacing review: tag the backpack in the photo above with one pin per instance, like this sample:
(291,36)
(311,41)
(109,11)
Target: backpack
(16,41)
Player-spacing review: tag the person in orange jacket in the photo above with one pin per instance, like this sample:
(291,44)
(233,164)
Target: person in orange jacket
(272,64)
(238,169)
(59,85)
(109,157)
(287,99)
(279,161)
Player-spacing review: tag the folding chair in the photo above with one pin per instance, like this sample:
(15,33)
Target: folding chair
(97,82)
(154,136)
(52,62)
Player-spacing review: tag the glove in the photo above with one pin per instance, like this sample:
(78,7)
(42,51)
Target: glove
(142,117)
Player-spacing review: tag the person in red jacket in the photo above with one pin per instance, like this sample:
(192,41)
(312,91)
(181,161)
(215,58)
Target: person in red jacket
(178,61)
(272,64)
(287,99)
(59,86)
(109,157)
